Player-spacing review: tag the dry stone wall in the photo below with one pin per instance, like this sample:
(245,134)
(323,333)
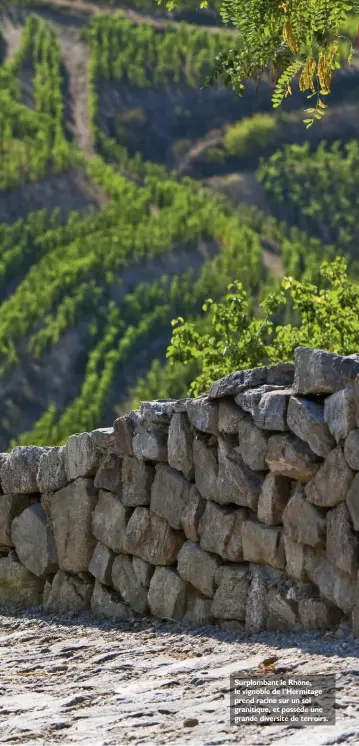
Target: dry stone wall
(238,508)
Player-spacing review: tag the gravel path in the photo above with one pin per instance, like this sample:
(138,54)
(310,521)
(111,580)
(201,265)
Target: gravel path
(78,681)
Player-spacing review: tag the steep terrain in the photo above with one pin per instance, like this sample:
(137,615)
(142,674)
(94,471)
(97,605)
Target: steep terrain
(124,194)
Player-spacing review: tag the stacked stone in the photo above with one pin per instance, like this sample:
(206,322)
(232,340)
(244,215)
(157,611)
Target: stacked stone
(239,508)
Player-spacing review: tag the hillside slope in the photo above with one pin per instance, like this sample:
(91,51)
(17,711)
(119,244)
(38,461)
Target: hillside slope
(104,238)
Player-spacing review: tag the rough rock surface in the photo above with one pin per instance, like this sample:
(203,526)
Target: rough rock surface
(150,443)
(331,483)
(273,499)
(351,449)
(236,483)
(109,521)
(71,513)
(109,476)
(237,382)
(68,593)
(125,580)
(231,595)
(180,445)
(291,457)
(340,413)
(206,468)
(263,544)
(137,478)
(107,603)
(198,567)
(34,541)
(10,506)
(17,584)
(220,531)
(19,471)
(82,456)
(167,594)
(319,372)
(139,682)
(203,415)
(170,495)
(253,445)
(306,419)
(303,522)
(342,545)
(51,475)
(101,564)
(150,537)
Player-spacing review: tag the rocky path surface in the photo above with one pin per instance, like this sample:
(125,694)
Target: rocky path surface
(80,681)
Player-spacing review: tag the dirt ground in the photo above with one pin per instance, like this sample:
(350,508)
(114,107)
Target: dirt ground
(80,681)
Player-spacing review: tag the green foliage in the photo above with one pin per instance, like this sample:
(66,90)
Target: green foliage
(317,191)
(231,337)
(250,134)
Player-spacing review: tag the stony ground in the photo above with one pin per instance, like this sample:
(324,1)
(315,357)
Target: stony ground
(77,681)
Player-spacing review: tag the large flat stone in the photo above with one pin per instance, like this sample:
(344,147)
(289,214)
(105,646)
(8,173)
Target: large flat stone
(236,483)
(170,495)
(51,475)
(281,611)
(109,474)
(206,468)
(253,445)
(220,531)
(203,415)
(137,478)
(340,413)
(351,449)
(68,593)
(314,613)
(82,456)
(271,411)
(319,372)
(335,586)
(124,428)
(237,382)
(18,473)
(10,506)
(109,521)
(295,558)
(230,417)
(180,445)
(101,564)
(125,580)
(150,537)
(167,594)
(291,457)
(17,584)
(230,599)
(306,420)
(71,515)
(303,522)
(342,546)
(331,483)
(107,603)
(150,443)
(262,544)
(34,541)
(198,567)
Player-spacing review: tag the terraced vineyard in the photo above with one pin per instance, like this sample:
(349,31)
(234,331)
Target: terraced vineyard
(111,219)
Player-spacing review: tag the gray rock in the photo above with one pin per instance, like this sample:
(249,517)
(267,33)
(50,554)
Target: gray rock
(355,620)
(291,457)
(71,513)
(34,541)
(106,603)
(105,439)
(150,443)
(236,483)
(125,580)
(198,568)
(351,449)
(10,507)
(340,413)
(353,502)
(253,445)
(262,544)
(151,538)
(342,544)
(137,478)
(143,570)
(335,586)
(237,382)
(281,611)
(192,513)
(295,558)
(303,522)
(167,594)
(306,420)
(230,599)
(82,456)
(271,411)
(206,468)
(316,614)
(101,564)
(17,584)
(68,593)
(18,472)
(230,416)
(249,400)
(198,608)
(109,474)
(203,415)
(158,411)
(109,521)
(180,445)
(220,531)
(319,372)
(256,609)
(124,430)
(51,475)
(331,483)
(280,374)
(273,498)
(170,495)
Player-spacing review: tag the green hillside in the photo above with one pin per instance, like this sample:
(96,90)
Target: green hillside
(125,202)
